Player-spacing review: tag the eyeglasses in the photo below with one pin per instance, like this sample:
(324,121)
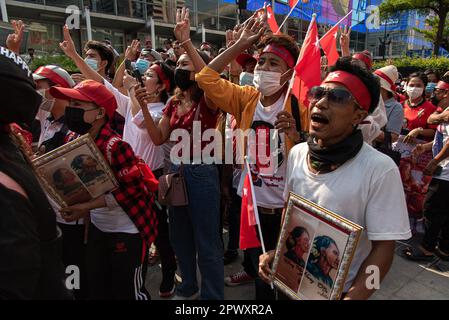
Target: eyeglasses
(335,95)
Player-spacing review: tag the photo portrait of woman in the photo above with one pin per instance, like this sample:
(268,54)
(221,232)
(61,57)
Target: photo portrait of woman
(323,258)
(65,180)
(298,245)
(86,168)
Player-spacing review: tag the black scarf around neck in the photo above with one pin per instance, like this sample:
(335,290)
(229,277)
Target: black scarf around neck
(325,159)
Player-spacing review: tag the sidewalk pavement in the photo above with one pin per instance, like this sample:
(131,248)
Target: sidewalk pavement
(406,280)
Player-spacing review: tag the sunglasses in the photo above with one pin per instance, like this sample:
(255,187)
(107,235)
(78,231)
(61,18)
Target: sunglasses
(335,95)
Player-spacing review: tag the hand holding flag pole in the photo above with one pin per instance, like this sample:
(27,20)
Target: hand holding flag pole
(250,215)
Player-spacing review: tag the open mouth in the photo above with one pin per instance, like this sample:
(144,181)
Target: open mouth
(319,118)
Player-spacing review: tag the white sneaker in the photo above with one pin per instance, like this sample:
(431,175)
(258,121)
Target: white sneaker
(194,296)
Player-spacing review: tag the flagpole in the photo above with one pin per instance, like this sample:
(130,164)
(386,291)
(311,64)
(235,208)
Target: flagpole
(256,211)
(292,80)
(337,23)
(288,15)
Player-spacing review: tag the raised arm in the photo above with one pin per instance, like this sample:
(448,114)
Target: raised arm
(130,54)
(251,32)
(68,46)
(159,133)
(182,34)
(14,40)
(345,37)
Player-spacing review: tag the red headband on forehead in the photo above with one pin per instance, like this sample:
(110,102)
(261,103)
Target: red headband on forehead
(157,68)
(358,90)
(281,52)
(364,58)
(443,85)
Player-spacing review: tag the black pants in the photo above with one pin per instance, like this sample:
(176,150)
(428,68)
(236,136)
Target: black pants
(436,213)
(271,226)
(234,220)
(116,266)
(74,254)
(162,242)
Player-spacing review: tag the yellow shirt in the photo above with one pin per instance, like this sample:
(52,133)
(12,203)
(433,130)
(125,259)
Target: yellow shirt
(240,101)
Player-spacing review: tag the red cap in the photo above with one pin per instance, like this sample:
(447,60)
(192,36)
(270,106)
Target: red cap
(56,74)
(88,90)
(243,59)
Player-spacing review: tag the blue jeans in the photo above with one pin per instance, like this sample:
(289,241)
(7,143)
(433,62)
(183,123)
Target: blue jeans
(194,231)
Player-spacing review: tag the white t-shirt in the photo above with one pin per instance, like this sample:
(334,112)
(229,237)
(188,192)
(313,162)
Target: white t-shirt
(135,132)
(49,126)
(112,218)
(443,129)
(366,190)
(270,183)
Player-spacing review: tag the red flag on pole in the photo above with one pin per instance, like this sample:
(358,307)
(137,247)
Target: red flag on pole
(293,3)
(248,219)
(308,69)
(271,20)
(329,44)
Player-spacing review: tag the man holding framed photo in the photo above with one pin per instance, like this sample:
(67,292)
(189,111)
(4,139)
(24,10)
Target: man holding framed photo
(336,170)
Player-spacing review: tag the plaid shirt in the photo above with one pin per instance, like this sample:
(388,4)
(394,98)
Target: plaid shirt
(132,194)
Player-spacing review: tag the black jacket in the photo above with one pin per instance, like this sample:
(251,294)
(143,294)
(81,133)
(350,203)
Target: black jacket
(30,242)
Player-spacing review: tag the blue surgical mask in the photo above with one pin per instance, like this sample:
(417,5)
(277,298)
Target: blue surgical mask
(246,79)
(92,63)
(142,65)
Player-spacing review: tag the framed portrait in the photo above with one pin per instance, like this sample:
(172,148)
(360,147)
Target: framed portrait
(75,172)
(314,251)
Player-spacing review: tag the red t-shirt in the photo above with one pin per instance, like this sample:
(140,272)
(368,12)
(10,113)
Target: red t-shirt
(206,116)
(415,117)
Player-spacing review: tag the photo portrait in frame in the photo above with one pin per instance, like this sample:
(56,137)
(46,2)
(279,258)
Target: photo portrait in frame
(75,172)
(314,251)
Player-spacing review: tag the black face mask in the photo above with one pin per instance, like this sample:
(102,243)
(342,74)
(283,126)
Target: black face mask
(182,79)
(434,100)
(74,119)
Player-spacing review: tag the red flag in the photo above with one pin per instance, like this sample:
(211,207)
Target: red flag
(308,69)
(248,220)
(272,23)
(329,44)
(293,3)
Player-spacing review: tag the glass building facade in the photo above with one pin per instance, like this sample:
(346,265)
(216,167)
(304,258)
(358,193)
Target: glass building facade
(122,20)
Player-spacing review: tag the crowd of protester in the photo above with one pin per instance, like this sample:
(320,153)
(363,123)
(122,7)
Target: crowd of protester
(330,153)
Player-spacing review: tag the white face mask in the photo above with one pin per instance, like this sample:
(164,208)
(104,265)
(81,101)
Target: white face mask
(414,92)
(267,82)
(46,104)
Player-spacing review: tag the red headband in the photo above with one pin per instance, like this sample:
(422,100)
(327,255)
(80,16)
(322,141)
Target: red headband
(357,88)
(364,58)
(281,52)
(443,85)
(157,68)
(52,76)
(386,78)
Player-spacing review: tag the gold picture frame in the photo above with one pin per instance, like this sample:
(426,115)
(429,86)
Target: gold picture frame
(314,251)
(75,172)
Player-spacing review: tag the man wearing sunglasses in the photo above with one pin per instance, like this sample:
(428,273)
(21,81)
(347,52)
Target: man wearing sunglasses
(339,171)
